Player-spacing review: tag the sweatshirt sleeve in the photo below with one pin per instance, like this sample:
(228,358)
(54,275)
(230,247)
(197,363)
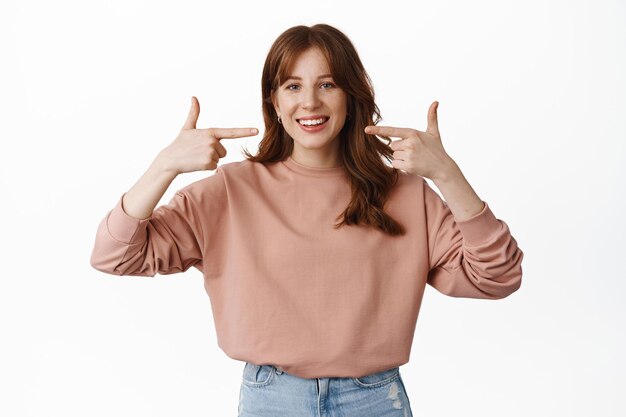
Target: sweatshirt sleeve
(167,242)
(474,258)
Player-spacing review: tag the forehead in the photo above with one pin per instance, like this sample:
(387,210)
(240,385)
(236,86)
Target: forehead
(310,62)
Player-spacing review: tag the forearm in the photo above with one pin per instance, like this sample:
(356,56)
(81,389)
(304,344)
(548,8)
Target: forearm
(458,193)
(139,202)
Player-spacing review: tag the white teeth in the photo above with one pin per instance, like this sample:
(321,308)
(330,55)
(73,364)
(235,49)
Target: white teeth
(313,122)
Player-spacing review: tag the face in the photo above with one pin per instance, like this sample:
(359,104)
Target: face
(310,93)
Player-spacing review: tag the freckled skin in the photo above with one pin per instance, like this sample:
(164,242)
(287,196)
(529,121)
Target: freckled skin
(309,96)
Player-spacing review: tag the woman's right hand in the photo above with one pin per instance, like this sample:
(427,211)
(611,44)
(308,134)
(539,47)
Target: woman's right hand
(198,149)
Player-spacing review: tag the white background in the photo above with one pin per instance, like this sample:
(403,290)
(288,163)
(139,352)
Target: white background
(532,108)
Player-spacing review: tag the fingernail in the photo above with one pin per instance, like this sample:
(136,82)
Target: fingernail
(253,131)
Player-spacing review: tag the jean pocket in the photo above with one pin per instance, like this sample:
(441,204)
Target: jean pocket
(378,379)
(257,375)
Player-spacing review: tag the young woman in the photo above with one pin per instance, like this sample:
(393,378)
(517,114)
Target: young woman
(315,251)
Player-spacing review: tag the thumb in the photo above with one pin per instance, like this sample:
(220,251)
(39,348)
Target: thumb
(194,112)
(433,123)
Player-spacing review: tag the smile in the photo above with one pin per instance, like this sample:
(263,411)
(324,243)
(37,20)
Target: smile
(313,126)
(313,122)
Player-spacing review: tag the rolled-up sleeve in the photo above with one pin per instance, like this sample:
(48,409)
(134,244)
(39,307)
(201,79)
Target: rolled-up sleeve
(167,242)
(474,258)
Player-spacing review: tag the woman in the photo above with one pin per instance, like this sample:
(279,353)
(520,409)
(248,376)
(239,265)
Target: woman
(315,252)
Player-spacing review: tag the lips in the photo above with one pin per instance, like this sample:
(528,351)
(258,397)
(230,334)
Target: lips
(314,128)
(324,118)
(315,116)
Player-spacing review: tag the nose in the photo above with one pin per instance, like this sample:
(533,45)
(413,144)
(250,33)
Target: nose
(310,99)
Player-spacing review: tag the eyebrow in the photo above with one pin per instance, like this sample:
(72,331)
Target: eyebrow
(293,77)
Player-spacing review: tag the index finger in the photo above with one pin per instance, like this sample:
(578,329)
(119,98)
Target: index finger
(396,132)
(235,132)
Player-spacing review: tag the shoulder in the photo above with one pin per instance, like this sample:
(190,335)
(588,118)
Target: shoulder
(239,168)
(409,191)
(223,177)
(409,182)
(418,186)
(243,173)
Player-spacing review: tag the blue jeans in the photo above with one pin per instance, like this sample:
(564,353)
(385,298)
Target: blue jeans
(269,392)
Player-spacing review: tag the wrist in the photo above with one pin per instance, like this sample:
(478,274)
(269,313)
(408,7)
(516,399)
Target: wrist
(162,168)
(448,172)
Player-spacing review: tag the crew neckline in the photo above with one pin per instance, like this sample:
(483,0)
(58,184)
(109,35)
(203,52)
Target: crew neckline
(312,171)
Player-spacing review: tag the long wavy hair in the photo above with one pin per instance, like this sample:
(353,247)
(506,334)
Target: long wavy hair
(361,154)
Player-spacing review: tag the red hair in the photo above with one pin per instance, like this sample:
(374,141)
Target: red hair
(362,155)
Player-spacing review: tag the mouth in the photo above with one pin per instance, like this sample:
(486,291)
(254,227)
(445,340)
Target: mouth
(313,122)
(317,125)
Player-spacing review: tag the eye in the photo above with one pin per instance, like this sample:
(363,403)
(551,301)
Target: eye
(291,85)
(330,84)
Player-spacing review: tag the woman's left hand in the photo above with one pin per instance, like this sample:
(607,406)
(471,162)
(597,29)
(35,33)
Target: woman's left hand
(418,153)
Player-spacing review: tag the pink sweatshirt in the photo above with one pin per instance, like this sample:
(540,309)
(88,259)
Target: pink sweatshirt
(286,288)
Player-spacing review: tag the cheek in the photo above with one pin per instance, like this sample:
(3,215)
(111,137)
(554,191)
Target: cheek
(286,106)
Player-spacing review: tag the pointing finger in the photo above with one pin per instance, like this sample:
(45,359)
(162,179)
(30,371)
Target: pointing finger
(236,132)
(396,132)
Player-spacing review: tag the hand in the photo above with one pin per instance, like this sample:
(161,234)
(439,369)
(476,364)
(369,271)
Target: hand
(198,149)
(417,153)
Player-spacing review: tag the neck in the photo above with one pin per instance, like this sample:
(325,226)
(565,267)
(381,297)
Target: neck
(316,158)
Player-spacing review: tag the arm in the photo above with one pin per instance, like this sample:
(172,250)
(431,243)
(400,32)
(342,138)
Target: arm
(457,192)
(139,202)
(472,253)
(136,239)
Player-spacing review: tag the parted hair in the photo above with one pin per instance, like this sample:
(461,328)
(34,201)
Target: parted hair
(362,155)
